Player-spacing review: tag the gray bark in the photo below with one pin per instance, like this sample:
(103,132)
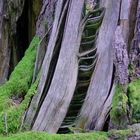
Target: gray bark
(56,103)
(10,11)
(121,60)
(125,18)
(132,21)
(31,113)
(135,47)
(43,28)
(101,81)
(105,111)
(45,18)
(4,48)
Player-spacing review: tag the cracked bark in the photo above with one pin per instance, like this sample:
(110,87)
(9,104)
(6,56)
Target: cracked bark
(100,85)
(10,11)
(55,106)
(135,47)
(45,16)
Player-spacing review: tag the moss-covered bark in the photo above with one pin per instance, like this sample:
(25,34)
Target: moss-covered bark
(134,100)
(18,85)
(126,104)
(119,109)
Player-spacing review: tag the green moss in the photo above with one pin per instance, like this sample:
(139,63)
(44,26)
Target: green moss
(120,101)
(134,100)
(113,135)
(46,136)
(119,108)
(15,113)
(120,134)
(131,69)
(18,84)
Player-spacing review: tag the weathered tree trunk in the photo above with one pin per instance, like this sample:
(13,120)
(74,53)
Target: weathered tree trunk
(135,49)
(43,28)
(35,103)
(121,61)
(46,16)
(125,18)
(13,16)
(101,82)
(57,100)
(132,21)
(10,11)
(5,51)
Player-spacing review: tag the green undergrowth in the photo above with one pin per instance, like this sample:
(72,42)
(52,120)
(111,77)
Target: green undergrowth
(14,115)
(121,134)
(119,108)
(18,85)
(134,100)
(126,104)
(96,135)
(46,136)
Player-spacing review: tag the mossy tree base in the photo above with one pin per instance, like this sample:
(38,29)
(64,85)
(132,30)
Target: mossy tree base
(126,106)
(18,85)
(119,110)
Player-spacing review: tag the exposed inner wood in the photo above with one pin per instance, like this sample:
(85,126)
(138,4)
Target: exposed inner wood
(99,88)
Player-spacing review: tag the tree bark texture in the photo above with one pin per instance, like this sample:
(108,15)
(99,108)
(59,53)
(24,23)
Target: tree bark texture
(135,46)
(43,29)
(10,11)
(44,23)
(101,81)
(57,100)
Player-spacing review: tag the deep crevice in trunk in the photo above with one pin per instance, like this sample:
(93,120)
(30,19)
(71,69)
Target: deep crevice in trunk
(20,38)
(22,31)
(107,121)
(106,125)
(86,67)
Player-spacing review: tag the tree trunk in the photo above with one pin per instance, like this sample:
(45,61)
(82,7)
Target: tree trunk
(55,106)
(7,30)
(101,81)
(32,111)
